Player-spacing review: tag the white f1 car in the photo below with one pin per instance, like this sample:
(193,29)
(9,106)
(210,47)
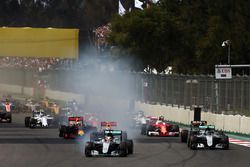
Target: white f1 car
(140,119)
(39,119)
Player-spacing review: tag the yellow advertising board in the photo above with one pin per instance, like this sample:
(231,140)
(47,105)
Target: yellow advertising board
(39,42)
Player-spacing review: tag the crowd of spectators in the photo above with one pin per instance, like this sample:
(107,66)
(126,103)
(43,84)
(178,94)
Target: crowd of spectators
(101,34)
(39,64)
(44,64)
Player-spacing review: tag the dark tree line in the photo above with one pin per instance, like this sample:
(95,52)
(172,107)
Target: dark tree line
(82,14)
(185,34)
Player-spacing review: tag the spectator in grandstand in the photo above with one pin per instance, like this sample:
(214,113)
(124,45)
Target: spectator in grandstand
(39,64)
(101,34)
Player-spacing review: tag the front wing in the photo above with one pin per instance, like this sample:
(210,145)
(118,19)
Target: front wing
(166,134)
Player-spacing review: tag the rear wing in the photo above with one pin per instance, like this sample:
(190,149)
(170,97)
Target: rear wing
(207,127)
(198,123)
(114,132)
(75,118)
(108,125)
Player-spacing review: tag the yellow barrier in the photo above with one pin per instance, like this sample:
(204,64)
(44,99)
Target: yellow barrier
(39,42)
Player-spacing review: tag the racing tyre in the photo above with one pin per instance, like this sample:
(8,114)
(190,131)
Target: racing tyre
(60,133)
(193,144)
(10,120)
(62,129)
(143,129)
(176,128)
(66,136)
(32,126)
(189,138)
(123,149)
(184,136)
(226,144)
(88,148)
(150,128)
(33,123)
(130,146)
(27,121)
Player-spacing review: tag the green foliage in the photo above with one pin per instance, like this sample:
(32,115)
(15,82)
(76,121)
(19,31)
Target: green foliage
(82,14)
(186,34)
(151,35)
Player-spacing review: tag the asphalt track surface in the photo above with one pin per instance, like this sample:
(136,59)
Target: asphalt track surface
(24,147)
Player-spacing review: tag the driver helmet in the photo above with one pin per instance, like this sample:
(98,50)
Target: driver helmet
(109,137)
(161,118)
(7,101)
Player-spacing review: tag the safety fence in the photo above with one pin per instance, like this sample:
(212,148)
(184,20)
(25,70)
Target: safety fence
(217,96)
(184,91)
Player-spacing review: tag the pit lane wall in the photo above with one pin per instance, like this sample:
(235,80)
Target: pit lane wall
(230,123)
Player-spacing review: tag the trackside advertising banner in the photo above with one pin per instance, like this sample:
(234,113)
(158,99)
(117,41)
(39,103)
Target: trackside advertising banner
(39,42)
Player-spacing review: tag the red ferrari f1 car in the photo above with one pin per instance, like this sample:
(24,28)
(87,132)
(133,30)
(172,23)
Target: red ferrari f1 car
(160,127)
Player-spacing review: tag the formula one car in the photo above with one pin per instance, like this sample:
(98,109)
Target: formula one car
(38,119)
(91,119)
(139,119)
(160,127)
(75,128)
(31,105)
(109,143)
(5,111)
(194,126)
(205,136)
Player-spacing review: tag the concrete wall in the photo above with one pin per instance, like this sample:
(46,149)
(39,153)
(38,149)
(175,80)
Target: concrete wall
(64,96)
(230,123)
(28,91)
(5,88)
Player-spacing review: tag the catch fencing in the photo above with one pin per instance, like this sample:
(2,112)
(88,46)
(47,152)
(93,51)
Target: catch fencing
(186,91)
(217,96)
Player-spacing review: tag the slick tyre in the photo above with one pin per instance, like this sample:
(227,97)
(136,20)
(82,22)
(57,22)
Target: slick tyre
(143,129)
(10,120)
(184,136)
(176,128)
(60,133)
(88,148)
(66,136)
(27,121)
(226,144)
(150,128)
(130,146)
(123,149)
(193,144)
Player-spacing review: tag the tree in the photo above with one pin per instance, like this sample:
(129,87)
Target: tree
(150,35)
